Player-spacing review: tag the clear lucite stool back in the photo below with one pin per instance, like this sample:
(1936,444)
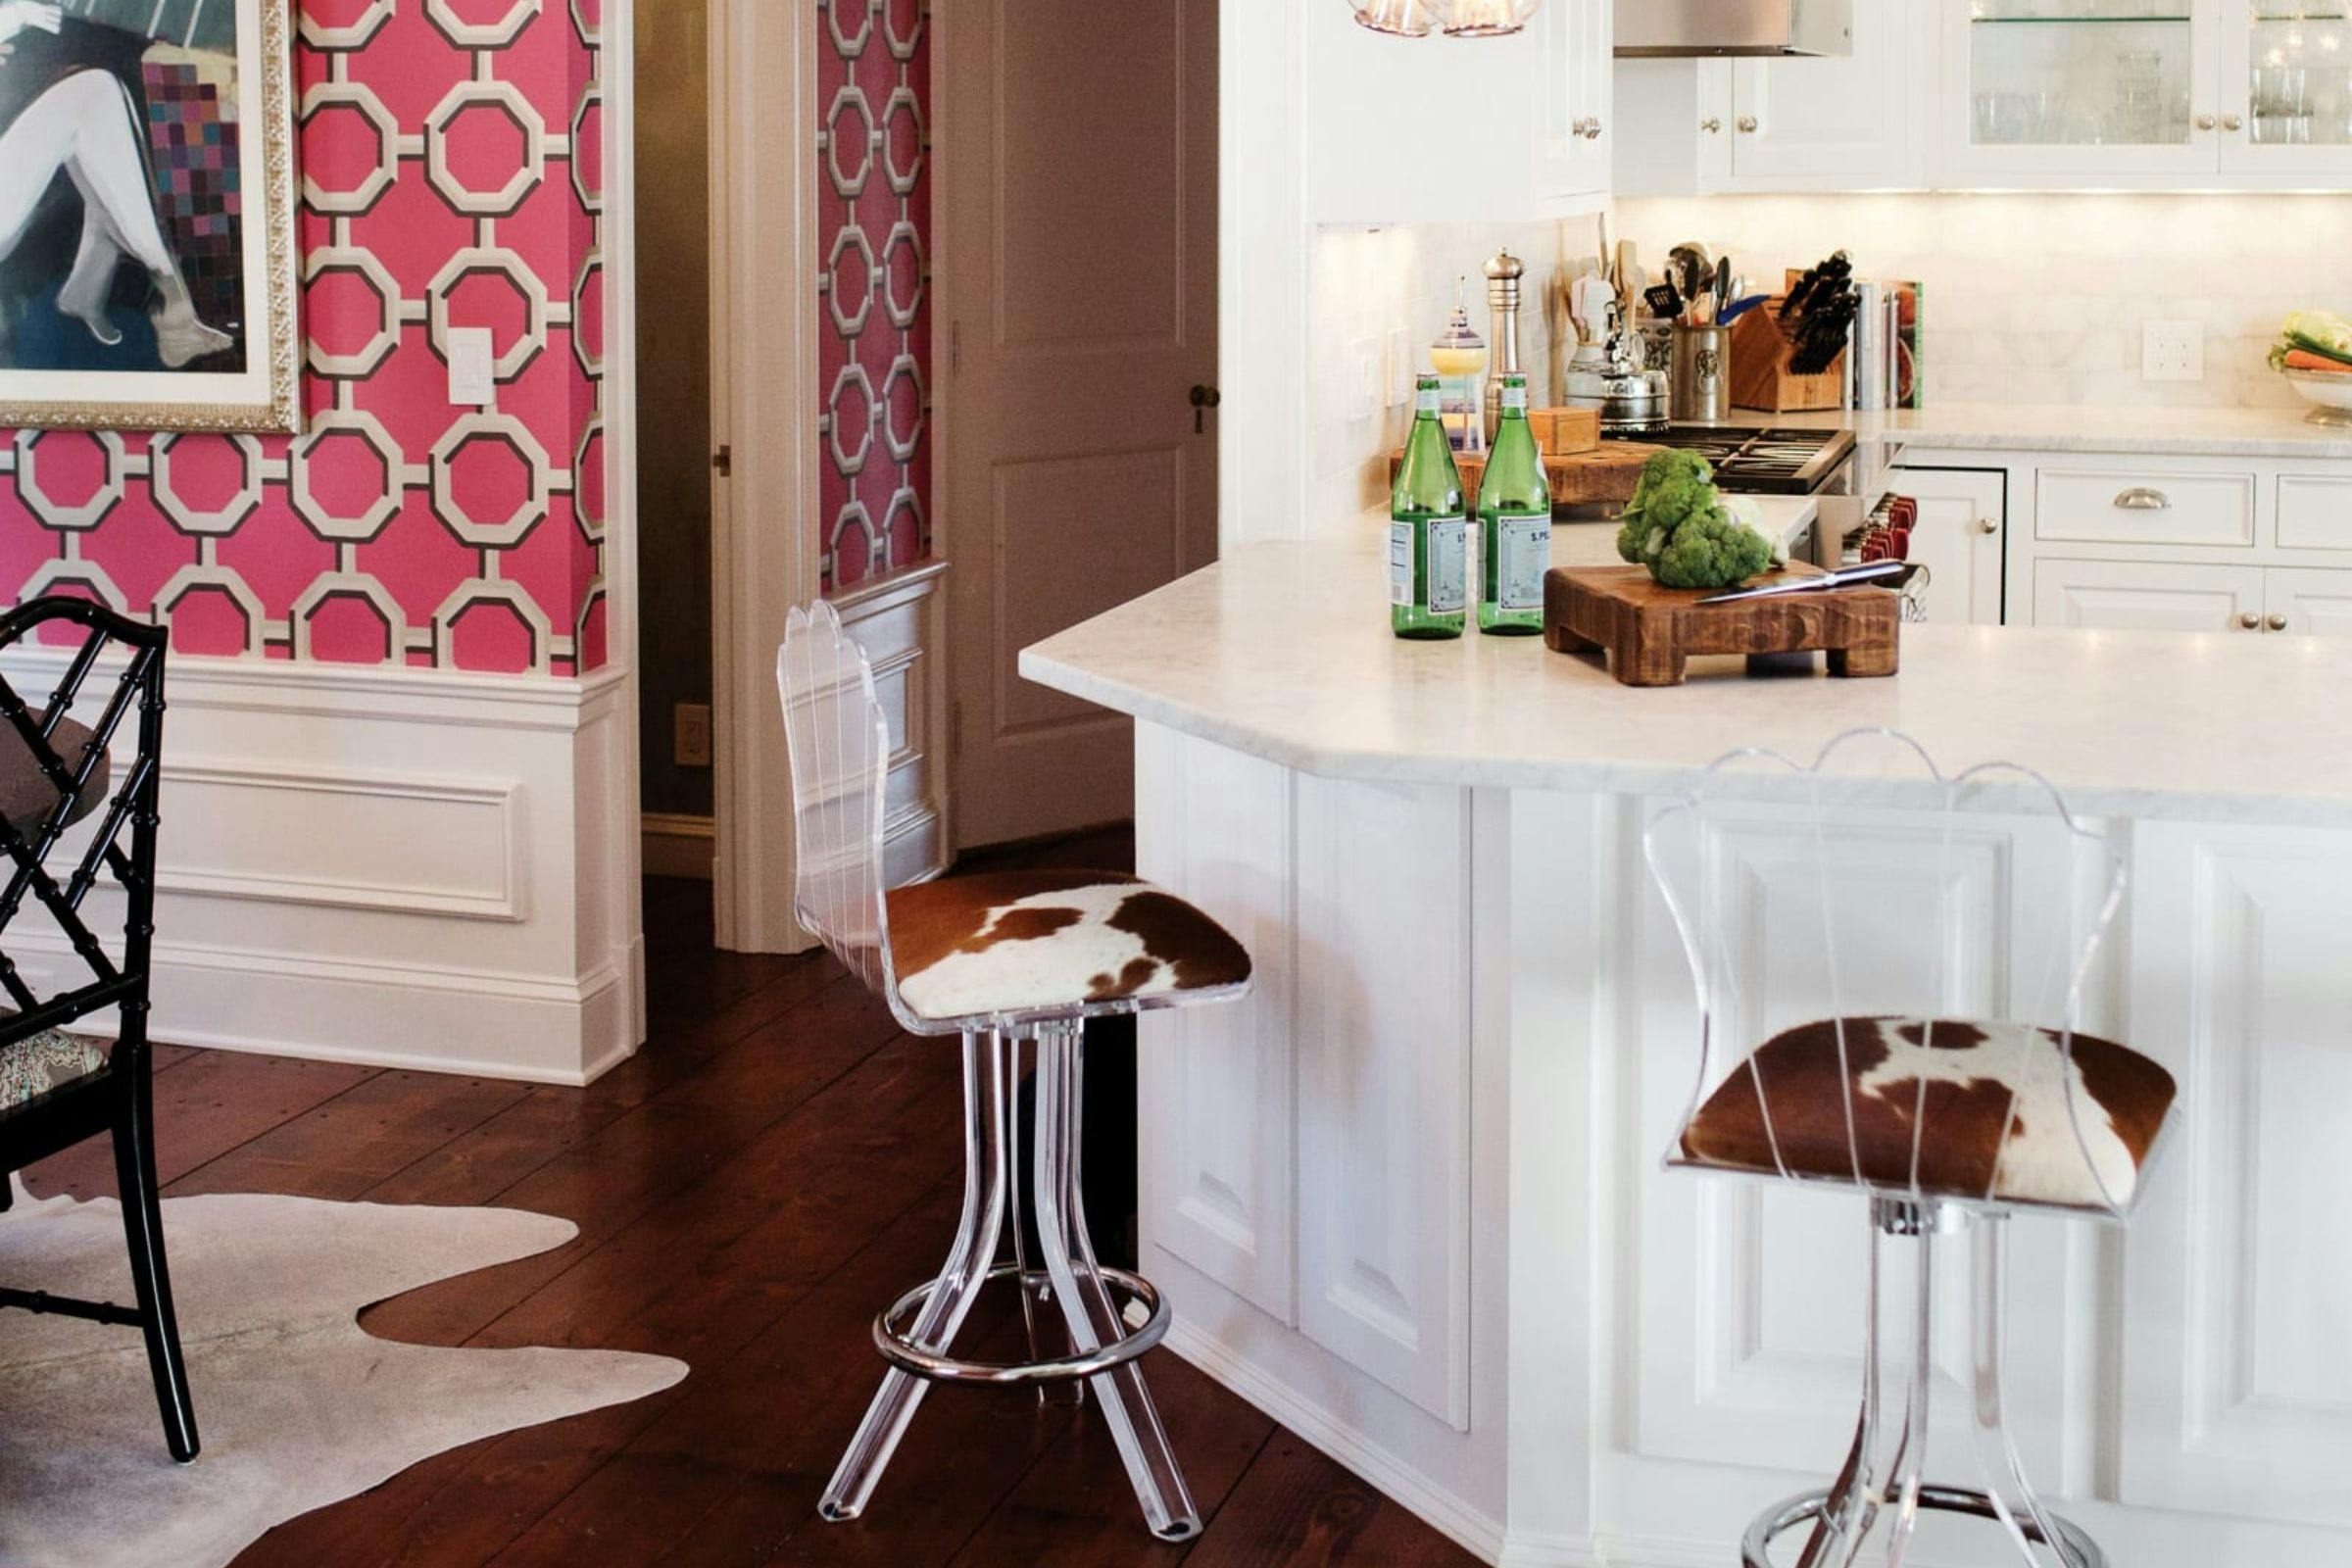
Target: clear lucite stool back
(1901,926)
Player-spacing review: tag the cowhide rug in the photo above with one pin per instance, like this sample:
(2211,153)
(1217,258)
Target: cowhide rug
(297,1407)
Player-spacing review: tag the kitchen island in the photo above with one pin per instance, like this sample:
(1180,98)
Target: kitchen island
(1406,1197)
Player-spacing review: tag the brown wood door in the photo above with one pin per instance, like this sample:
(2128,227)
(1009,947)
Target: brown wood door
(1079,257)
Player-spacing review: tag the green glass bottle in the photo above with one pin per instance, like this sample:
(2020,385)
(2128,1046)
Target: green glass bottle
(1514,524)
(1429,530)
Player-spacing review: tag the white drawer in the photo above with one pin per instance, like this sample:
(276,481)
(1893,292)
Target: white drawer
(2314,511)
(2124,507)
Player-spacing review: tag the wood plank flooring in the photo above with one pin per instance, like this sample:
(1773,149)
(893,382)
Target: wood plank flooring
(774,1164)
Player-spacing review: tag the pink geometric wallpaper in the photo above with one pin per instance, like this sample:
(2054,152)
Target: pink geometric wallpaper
(451,175)
(873,92)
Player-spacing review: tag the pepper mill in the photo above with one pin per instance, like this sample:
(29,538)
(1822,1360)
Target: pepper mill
(1503,274)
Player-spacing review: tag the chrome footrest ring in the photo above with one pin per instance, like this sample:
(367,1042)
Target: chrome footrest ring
(1755,1547)
(1125,1288)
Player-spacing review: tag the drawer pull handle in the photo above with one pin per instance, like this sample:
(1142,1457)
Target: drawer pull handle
(2139,497)
(2250,621)
(2277,624)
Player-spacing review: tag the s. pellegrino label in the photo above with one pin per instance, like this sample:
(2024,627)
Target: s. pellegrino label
(1514,515)
(1429,530)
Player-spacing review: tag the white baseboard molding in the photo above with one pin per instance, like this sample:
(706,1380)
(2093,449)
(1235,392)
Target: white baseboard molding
(409,868)
(1470,1530)
(679,845)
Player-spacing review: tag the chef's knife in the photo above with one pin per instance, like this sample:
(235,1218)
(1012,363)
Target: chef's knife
(1873,572)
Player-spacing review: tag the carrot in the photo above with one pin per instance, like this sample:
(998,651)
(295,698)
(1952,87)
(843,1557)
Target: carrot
(2305,359)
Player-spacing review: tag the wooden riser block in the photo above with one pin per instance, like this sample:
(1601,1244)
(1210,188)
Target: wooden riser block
(1651,632)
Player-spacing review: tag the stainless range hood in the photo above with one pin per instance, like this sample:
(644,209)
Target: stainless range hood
(1661,29)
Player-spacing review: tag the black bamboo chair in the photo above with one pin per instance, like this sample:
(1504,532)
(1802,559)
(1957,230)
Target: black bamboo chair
(57,1090)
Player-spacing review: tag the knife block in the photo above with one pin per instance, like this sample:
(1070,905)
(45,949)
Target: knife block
(1760,375)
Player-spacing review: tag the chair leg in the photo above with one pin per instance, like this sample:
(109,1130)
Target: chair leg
(150,1273)
(1087,1305)
(2012,1496)
(1884,1466)
(959,1286)
(1062,1395)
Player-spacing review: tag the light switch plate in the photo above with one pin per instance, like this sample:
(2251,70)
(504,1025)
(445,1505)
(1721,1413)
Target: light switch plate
(690,727)
(1363,371)
(472,368)
(2172,351)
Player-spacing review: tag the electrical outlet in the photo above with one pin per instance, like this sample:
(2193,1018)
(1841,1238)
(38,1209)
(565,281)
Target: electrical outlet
(2172,351)
(689,734)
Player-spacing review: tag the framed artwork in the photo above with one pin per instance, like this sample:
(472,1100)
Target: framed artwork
(147,268)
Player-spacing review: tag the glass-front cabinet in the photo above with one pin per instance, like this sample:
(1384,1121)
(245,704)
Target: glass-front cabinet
(2143,92)
(2290,62)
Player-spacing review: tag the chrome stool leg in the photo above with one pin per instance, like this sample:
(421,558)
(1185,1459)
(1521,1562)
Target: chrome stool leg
(1087,1302)
(1035,1286)
(1842,1516)
(969,1262)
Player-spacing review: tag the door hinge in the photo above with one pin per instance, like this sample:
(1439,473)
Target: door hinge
(723,460)
(954,730)
(955,347)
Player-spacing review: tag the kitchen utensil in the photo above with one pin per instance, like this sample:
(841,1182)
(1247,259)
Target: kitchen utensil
(1504,272)
(1649,632)
(1738,308)
(1663,302)
(1888,573)
(1687,269)
(1723,284)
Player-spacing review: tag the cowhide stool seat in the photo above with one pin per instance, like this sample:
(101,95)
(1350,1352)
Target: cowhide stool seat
(1008,961)
(1947,1126)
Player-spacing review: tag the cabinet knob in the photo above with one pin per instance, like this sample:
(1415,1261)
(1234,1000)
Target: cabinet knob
(2277,624)
(1712,125)
(1593,130)
(2205,122)
(1988,525)
(2232,122)
(1747,124)
(2250,621)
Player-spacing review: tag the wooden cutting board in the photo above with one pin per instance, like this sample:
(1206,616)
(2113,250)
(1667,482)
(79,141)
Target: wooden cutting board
(1649,632)
(1604,475)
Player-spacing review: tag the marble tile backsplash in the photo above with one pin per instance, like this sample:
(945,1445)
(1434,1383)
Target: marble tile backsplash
(1368,284)
(2041,299)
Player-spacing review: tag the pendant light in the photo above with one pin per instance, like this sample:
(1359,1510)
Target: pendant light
(1407,19)
(1490,18)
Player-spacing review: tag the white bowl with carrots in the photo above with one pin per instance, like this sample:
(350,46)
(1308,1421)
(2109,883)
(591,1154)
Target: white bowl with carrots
(2314,351)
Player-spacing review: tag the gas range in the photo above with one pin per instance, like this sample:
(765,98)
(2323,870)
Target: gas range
(1764,462)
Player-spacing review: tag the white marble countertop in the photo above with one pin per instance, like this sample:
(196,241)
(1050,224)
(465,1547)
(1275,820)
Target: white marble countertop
(2077,428)
(1284,651)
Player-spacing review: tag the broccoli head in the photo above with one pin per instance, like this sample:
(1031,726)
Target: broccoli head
(1713,550)
(1674,487)
(1678,527)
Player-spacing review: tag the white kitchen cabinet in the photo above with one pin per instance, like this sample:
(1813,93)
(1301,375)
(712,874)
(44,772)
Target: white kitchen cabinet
(1439,131)
(1963,515)
(2308,602)
(2237,1283)
(1798,125)
(2147,596)
(1579,88)
(1846,123)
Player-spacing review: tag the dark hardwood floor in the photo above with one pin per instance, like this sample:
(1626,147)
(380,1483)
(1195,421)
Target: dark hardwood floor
(775,1163)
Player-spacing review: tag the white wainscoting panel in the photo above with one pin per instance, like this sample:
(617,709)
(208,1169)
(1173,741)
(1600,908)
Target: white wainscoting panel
(2239,1282)
(414,868)
(1384,1069)
(1216,1102)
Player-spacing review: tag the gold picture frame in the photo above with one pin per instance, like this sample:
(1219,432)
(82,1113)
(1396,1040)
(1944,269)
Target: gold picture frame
(265,396)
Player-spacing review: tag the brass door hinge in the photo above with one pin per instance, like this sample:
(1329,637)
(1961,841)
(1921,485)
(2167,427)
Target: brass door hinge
(723,460)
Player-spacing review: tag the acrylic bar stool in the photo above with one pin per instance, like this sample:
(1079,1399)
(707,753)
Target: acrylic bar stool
(1001,960)
(1942,1124)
